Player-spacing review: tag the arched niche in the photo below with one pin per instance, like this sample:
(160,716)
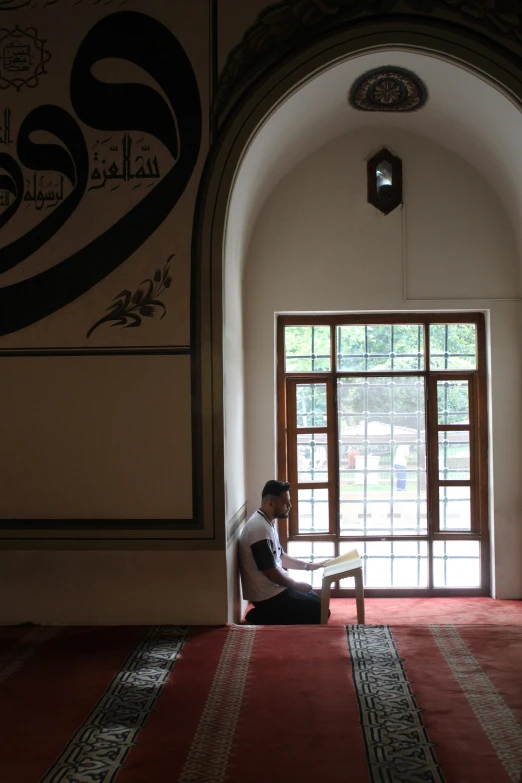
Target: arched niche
(219,430)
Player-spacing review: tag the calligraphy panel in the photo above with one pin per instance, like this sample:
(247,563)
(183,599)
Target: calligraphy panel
(104,117)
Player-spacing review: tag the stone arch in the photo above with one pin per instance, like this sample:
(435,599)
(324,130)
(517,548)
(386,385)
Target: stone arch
(238,119)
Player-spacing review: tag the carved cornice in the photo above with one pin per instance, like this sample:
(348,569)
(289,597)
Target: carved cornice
(289,24)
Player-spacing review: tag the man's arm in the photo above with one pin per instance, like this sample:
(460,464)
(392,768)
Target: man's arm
(279,577)
(300,565)
(266,563)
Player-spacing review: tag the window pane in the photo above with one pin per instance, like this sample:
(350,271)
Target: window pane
(456,564)
(313,510)
(310,551)
(312,457)
(380,347)
(453,402)
(311,404)
(307,348)
(454,508)
(387,517)
(382,456)
(453,347)
(454,456)
(390,563)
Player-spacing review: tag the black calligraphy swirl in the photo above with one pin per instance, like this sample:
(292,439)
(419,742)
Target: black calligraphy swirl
(13,182)
(13,5)
(177,123)
(72,162)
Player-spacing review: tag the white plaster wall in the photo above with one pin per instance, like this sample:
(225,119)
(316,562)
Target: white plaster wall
(233,380)
(233,407)
(112,587)
(236,604)
(319,246)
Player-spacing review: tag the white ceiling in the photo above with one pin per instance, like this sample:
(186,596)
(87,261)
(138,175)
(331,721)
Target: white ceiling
(464,113)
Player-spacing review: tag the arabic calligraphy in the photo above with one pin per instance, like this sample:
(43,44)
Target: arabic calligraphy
(41,197)
(23,57)
(128,169)
(17,57)
(69,158)
(5,129)
(169,113)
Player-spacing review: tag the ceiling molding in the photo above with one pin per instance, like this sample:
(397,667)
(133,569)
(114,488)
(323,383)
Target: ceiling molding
(288,26)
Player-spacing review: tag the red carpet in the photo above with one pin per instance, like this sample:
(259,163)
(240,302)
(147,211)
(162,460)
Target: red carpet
(422,611)
(47,698)
(389,701)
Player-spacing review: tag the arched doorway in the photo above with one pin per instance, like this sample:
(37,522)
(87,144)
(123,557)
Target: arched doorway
(221,255)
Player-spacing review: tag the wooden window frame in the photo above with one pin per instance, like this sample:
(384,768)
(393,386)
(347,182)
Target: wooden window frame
(293,430)
(477,378)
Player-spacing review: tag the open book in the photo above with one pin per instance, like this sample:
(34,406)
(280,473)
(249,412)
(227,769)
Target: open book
(343,563)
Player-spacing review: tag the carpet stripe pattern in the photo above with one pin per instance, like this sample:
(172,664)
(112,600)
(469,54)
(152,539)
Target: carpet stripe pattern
(208,756)
(97,751)
(379,703)
(495,717)
(14,658)
(397,744)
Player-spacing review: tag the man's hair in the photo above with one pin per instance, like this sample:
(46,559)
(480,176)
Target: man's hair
(274,489)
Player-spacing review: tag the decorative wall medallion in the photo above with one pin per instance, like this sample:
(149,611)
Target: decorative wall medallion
(22,58)
(388,89)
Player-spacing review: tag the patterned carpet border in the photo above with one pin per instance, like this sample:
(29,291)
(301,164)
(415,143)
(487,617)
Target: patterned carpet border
(24,649)
(398,748)
(210,750)
(497,720)
(96,752)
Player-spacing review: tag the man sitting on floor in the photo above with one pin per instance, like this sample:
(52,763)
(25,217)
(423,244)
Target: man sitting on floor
(277,598)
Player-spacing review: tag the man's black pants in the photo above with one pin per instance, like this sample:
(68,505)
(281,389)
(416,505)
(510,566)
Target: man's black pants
(289,607)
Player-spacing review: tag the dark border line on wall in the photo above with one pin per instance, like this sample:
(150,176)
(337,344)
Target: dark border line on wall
(145,350)
(120,525)
(107,544)
(196,363)
(236,523)
(214,65)
(196,410)
(29,542)
(100,524)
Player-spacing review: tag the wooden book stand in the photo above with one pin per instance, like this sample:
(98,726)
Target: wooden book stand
(339,568)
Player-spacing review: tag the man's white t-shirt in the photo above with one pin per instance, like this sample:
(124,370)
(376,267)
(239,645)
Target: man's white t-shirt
(259,549)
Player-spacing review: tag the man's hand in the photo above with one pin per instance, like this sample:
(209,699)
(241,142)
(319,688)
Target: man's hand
(316,566)
(303,587)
